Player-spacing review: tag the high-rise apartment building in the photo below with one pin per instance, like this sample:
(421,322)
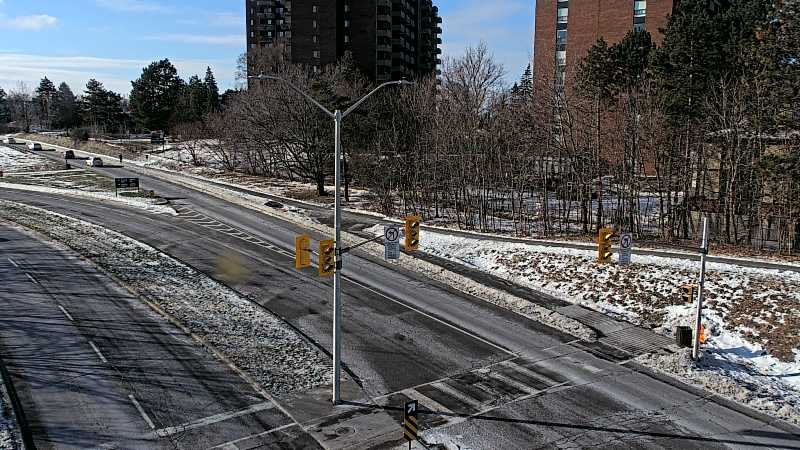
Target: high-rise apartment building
(389,39)
(567,29)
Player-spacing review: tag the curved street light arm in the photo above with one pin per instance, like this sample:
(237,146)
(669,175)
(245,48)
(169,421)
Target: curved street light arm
(363,99)
(296,89)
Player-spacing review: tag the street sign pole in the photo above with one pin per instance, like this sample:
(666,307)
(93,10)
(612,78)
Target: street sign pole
(698,324)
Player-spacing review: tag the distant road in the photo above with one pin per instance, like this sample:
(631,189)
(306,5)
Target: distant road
(95,368)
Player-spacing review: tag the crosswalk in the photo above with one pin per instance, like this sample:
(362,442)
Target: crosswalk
(205,221)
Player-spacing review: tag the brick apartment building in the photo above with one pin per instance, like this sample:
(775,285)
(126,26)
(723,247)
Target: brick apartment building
(567,29)
(389,39)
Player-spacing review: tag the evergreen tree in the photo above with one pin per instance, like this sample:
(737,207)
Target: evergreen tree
(155,96)
(526,83)
(100,108)
(212,91)
(4,113)
(45,99)
(66,108)
(597,73)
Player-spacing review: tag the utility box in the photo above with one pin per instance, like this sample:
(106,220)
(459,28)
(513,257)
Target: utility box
(683,336)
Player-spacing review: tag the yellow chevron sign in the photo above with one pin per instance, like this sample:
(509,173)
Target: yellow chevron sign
(410,429)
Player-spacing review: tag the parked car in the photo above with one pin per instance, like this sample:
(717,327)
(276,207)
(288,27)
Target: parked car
(35,146)
(69,154)
(10,140)
(95,162)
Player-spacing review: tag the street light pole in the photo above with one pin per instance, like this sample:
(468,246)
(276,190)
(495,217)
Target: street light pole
(338,118)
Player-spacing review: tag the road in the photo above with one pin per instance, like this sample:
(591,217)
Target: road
(96,368)
(495,379)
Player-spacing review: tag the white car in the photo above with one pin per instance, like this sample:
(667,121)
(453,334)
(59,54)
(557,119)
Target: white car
(35,146)
(95,162)
(10,140)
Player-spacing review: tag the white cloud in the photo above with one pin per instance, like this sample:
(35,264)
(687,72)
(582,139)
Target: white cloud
(36,22)
(138,6)
(238,40)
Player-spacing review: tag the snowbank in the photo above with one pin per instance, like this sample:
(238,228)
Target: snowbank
(153,205)
(751,314)
(260,344)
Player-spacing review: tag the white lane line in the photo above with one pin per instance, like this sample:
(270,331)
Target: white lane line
(232,444)
(30,277)
(210,420)
(141,411)
(447,389)
(66,313)
(426,401)
(14,263)
(97,350)
(512,382)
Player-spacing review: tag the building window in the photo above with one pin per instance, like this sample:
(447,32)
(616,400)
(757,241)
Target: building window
(347,8)
(316,53)
(639,27)
(315,9)
(561,58)
(346,39)
(347,24)
(314,24)
(563,13)
(561,37)
(315,38)
(640,8)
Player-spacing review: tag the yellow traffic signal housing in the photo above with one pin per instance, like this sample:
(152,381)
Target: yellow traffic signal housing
(688,293)
(327,258)
(302,252)
(412,232)
(604,252)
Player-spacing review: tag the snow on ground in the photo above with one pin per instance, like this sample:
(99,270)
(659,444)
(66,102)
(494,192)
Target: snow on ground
(262,345)
(751,315)
(9,433)
(154,205)
(16,161)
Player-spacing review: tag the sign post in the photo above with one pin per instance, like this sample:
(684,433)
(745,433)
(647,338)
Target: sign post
(391,242)
(625,247)
(410,422)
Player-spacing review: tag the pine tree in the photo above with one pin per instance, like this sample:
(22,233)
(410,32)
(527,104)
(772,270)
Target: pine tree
(100,108)
(45,98)
(66,108)
(526,83)
(4,113)
(155,96)
(212,91)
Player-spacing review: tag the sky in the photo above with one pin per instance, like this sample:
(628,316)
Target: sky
(112,40)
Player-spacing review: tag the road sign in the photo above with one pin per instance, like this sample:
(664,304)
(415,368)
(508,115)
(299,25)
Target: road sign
(625,246)
(125,183)
(410,421)
(391,242)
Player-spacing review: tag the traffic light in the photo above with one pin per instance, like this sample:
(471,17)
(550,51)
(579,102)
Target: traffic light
(327,258)
(412,232)
(604,245)
(688,293)
(302,252)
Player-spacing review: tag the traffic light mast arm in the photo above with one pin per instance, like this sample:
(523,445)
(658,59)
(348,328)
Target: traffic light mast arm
(353,247)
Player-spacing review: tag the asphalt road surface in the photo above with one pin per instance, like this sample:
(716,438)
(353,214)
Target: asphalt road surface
(95,368)
(493,378)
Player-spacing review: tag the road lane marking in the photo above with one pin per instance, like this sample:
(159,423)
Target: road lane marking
(97,350)
(141,412)
(66,313)
(232,444)
(210,420)
(30,277)
(14,263)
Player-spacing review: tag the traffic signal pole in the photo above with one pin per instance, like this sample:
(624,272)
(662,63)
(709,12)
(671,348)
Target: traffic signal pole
(337,276)
(338,116)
